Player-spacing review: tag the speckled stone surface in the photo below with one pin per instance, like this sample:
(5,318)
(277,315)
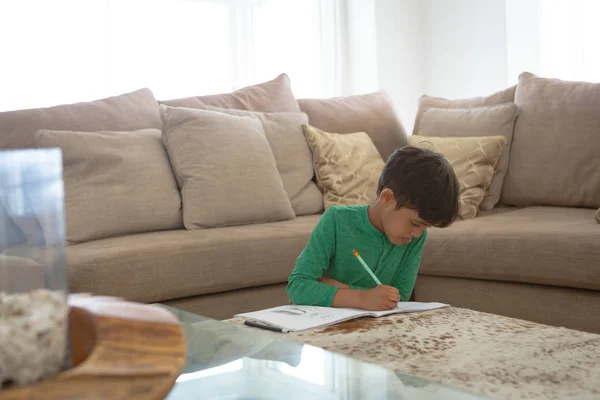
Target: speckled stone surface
(33,335)
(503,358)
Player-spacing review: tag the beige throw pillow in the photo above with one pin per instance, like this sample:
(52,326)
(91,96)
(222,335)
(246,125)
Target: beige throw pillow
(425,102)
(474,160)
(347,166)
(555,155)
(225,168)
(127,112)
(271,96)
(372,113)
(116,183)
(478,121)
(292,154)
(597,216)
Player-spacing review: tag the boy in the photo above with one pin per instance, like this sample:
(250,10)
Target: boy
(417,189)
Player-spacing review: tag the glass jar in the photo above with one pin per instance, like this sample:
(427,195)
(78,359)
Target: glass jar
(33,269)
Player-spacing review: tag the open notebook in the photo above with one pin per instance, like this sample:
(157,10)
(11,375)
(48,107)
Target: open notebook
(298,318)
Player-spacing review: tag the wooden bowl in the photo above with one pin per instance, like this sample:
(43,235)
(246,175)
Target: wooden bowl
(120,350)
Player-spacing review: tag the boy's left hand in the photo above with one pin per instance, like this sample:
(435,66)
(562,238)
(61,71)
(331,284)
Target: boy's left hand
(333,282)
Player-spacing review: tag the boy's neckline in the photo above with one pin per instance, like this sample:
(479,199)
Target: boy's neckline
(372,229)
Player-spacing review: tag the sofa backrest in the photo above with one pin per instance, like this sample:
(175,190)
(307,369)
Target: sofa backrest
(555,154)
(130,111)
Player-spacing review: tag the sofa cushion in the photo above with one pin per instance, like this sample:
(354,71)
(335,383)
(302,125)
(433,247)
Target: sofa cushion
(426,102)
(292,155)
(372,113)
(555,156)
(160,266)
(20,274)
(478,121)
(225,168)
(474,161)
(542,245)
(116,183)
(130,111)
(272,96)
(11,234)
(127,112)
(347,166)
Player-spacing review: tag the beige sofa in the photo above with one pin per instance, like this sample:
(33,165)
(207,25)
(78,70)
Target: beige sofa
(539,261)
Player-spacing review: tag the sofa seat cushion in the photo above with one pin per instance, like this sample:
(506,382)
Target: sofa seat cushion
(160,266)
(543,245)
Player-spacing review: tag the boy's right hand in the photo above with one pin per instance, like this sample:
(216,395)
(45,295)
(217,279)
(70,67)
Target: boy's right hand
(380,298)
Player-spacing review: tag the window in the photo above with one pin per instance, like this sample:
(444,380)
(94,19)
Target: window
(65,51)
(553,38)
(569,39)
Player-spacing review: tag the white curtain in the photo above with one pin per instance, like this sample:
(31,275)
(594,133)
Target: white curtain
(553,38)
(570,39)
(63,51)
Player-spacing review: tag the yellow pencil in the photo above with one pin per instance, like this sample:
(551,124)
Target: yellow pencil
(364,264)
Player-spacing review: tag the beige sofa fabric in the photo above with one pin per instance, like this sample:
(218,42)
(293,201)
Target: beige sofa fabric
(550,305)
(115,183)
(225,168)
(474,161)
(555,157)
(555,246)
(425,102)
(130,111)
(478,121)
(292,154)
(160,266)
(347,166)
(225,305)
(371,113)
(272,96)
(19,274)
(11,235)
(127,112)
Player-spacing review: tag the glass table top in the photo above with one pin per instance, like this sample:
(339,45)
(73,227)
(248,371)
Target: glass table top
(225,361)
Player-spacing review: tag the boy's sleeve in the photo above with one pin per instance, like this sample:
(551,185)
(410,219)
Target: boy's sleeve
(407,273)
(303,284)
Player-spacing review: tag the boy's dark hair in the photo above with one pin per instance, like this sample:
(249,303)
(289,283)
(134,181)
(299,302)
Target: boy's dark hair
(422,180)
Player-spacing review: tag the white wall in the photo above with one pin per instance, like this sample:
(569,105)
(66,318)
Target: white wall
(400,54)
(362,54)
(465,47)
(522,38)
(446,48)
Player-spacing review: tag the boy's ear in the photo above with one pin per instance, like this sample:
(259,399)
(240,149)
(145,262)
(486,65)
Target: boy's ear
(386,196)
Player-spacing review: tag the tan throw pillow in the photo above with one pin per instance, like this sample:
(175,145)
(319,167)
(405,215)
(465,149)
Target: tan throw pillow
(597,216)
(272,96)
(127,112)
(372,113)
(555,155)
(292,154)
(478,121)
(347,166)
(225,168)
(474,160)
(116,183)
(425,102)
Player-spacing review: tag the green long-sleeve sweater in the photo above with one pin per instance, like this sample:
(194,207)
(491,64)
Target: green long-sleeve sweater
(329,253)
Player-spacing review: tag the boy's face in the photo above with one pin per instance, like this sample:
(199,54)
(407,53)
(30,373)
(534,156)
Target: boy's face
(400,225)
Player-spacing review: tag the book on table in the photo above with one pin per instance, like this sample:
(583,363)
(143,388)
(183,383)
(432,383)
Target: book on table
(294,318)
